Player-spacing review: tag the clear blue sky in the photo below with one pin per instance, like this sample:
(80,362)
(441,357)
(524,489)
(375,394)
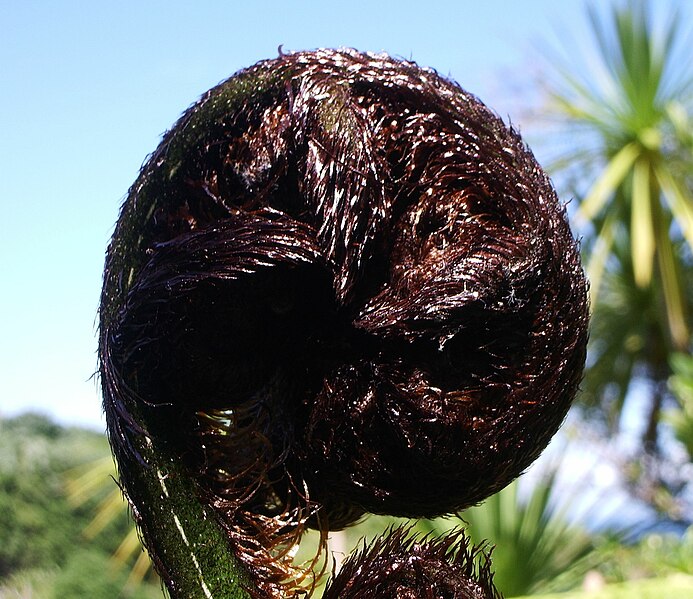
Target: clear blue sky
(87,89)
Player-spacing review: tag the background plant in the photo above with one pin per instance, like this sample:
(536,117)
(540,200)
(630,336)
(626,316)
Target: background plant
(627,158)
(629,120)
(43,551)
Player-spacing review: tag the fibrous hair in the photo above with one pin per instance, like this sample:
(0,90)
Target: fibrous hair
(340,285)
(401,565)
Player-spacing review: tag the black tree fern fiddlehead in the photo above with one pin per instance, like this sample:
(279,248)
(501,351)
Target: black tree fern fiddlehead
(399,565)
(340,285)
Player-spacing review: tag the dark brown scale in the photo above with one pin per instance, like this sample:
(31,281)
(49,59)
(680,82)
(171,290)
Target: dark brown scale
(341,285)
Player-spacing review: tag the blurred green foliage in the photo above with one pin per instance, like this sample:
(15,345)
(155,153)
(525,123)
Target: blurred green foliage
(43,551)
(653,556)
(536,549)
(656,588)
(681,383)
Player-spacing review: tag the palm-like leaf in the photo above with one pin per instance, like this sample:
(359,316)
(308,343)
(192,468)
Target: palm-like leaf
(630,118)
(95,481)
(536,548)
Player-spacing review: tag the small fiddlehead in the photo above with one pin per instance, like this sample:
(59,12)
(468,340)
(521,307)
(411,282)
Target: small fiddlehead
(340,285)
(399,565)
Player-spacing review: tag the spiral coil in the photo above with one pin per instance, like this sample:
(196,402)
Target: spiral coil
(341,285)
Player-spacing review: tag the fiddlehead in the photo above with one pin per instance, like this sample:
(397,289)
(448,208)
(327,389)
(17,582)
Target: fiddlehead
(340,285)
(401,565)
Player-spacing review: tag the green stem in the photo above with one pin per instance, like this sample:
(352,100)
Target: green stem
(190,547)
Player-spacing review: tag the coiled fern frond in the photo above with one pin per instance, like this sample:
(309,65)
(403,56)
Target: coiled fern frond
(341,285)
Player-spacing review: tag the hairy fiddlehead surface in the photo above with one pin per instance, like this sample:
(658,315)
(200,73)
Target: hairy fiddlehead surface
(340,285)
(399,565)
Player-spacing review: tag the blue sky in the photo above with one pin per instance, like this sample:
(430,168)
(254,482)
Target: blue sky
(87,89)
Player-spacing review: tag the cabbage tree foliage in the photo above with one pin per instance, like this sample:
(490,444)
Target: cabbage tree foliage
(629,157)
